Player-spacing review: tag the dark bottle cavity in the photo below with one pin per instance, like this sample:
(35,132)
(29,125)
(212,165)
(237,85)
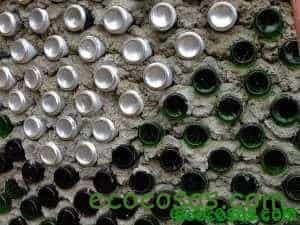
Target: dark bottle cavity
(244,183)
(31,208)
(141,182)
(229,109)
(14,150)
(66,177)
(6,126)
(124,156)
(194,181)
(150,133)
(195,135)
(175,106)
(205,80)
(220,160)
(105,181)
(268,23)
(251,136)
(32,172)
(291,187)
(289,54)
(285,110)
(81,202)
(170,159)
(48,196)
(67,215)
(243,52)
(274,161)
(257,83)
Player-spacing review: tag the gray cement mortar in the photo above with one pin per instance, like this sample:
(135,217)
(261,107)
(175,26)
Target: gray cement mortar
(191,17)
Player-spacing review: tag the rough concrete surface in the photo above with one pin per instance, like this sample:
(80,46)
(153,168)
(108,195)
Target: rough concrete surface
(191,17)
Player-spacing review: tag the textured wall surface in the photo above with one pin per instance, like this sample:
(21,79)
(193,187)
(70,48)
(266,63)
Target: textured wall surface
(191,17)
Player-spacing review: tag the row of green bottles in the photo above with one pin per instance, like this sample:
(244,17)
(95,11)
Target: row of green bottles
(244,53)
(284,110)
(251,136)
(273,161)
(268,23)
(206,81)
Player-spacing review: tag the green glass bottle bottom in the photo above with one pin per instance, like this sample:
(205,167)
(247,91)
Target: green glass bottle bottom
(6,126)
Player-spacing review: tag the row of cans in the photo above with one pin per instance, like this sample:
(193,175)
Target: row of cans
(116,20)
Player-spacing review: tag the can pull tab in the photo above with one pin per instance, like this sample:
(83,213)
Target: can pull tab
(296,12)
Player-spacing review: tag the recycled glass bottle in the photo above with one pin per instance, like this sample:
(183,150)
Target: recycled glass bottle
(194,181)
(290,186)
(141,181)
(285,110)
(244,183)
(67,215)
(65,177)
(5,126)
(105,181)
(175,106)
(220,160)
(268,23)
(48,196)
(229,109)
(274,161)
(31,208)
(257,83)
(150,133)
(195,135)
(243,53)
(14,150)
(170,159)
(205,80)
(81,202)
(251,136)
(32,172)
(288,53)
(124,156)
